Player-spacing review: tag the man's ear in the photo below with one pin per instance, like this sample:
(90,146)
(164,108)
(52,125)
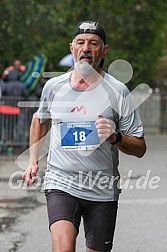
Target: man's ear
(71,47)
(105,51)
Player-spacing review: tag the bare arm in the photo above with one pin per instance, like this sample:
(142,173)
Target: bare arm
(132,145)
(37,132)
(129,145)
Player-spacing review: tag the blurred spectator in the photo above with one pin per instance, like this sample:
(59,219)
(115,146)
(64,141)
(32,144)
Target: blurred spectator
(11,86)
(11,75)
(13,72)
(2,87)
(14,88)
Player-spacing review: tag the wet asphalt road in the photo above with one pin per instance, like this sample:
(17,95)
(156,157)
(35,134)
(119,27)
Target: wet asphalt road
(142,215)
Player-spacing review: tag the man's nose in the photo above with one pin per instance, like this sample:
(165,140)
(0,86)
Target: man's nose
(86,47)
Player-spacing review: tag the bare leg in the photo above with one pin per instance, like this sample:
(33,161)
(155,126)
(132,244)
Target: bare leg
(63,235)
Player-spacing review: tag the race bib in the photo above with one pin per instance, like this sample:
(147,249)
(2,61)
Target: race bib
(79,135)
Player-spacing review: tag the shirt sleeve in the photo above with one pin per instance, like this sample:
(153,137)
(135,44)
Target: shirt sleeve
(130,122)
(43,111)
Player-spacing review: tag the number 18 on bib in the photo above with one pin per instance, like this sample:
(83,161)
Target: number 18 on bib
(79,135)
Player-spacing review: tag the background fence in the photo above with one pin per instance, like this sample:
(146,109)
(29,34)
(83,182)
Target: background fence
(153,113)
(15,121)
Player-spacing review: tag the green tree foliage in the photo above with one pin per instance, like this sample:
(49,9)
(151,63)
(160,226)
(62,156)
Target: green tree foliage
(135,31)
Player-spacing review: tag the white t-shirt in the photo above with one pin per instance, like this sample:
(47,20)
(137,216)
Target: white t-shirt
(78,161)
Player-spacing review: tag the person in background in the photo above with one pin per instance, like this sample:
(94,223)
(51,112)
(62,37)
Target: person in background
(12,86)
(13,72)
(2,87)
(82,171)
(15,88)
(12,91)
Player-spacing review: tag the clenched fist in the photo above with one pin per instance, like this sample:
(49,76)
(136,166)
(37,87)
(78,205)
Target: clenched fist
(105,128)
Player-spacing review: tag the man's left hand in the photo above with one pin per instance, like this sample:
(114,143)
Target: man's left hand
(105,128)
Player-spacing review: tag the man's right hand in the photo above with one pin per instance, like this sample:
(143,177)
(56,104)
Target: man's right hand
(30,174)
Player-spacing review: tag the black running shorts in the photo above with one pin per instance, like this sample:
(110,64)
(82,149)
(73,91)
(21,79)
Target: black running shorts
(99,218)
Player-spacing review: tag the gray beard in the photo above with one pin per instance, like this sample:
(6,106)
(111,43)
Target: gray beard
(83,67)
